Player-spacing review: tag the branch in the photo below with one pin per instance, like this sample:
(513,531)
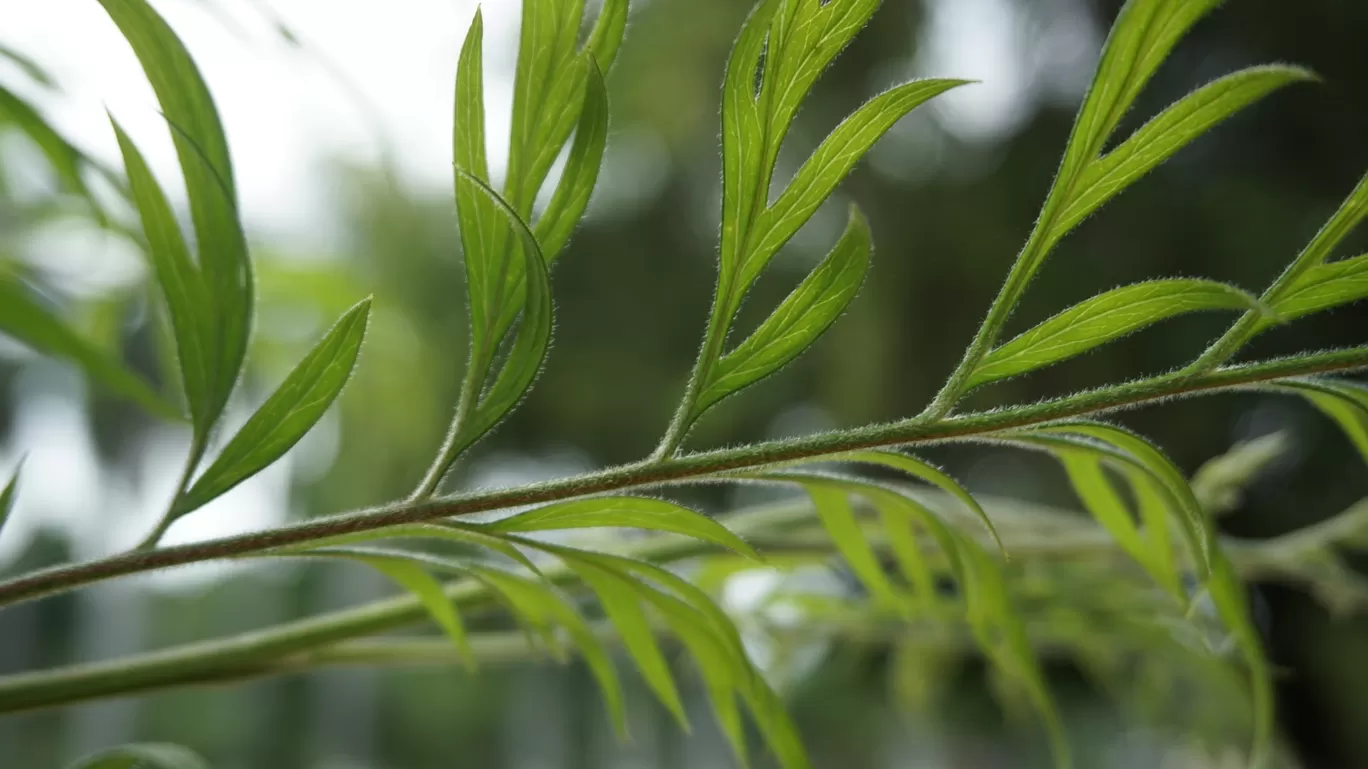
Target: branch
(692,467)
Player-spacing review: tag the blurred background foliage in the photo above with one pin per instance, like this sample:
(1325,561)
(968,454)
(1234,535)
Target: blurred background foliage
(950,193)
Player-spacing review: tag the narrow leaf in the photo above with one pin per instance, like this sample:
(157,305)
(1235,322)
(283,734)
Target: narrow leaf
(450,531)
(534,332)
(209,181)
(581,167)
(929,473)
(147,755)
(412,577)
(182,286)
(623,512)
(1104,318)
(539,604)
(838,518)
(475,213)
(1325,286)
(8,494)
(606,36)
(799,320)
(67,161)
(1347,217)
(1167,133)
(26,64)
(1344,402)
(829,165)
(620,597)
(743,152)
(291,411)
(23,318)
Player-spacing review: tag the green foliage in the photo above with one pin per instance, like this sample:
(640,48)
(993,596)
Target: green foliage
(902,544)
(151,755)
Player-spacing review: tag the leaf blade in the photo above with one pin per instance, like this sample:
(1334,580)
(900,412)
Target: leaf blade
(290,412)
(1104,318)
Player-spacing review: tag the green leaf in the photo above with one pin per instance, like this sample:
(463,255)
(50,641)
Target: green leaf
(547,92)
(620,596)
(606,36)
(1002,636)
(534,333)
(475,213)
(146,755)
(450,531)
(207,168)
(26,64)
(1228,595)
(838,518)
(67,161)
(1219,483)
(581,167)
(1344,402)
(929,473)
(1167,133)
(23,318)
(820,174)
(1137,453)
(291,411)
(8,494)
(538,604)
(409,574)
(1325,286)
(799,320)
(1104,318)
(1347,217)
(623,512)
(182,286)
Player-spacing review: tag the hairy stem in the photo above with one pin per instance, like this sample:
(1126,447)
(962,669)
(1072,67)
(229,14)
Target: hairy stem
(688,468)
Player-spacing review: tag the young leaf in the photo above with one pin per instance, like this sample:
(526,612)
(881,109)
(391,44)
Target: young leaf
(534,333)
(828,166)
(146,755)
(207,168)
(1002,636)
(33,325)
(1344,402)
(410,574)
(802,317)
(929,473)
(182,286)
(1325,286)
(8,494)
(1139,454)
(620,597)
(838,518)
(577,181)
(1104,318)
(67,161)
(1167,133)
(540,605)
(291,411)
(624,512)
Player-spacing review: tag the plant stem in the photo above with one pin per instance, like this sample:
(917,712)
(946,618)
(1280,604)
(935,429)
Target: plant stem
(197,446)
(689,468)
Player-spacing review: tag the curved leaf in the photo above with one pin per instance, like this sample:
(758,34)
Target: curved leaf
(146,755)
(291,411)
(838,518)
(929,473)
(438,530)
(1325,286)
(829,165)
(581,167)
(623,512)
(1103,318)
(23,318)
(606,36)
(182,285)
(620,597)
(26,64)
(1167,133)
(541,606)
(67,161)
(209,182)
(799,320)
(1344,402)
